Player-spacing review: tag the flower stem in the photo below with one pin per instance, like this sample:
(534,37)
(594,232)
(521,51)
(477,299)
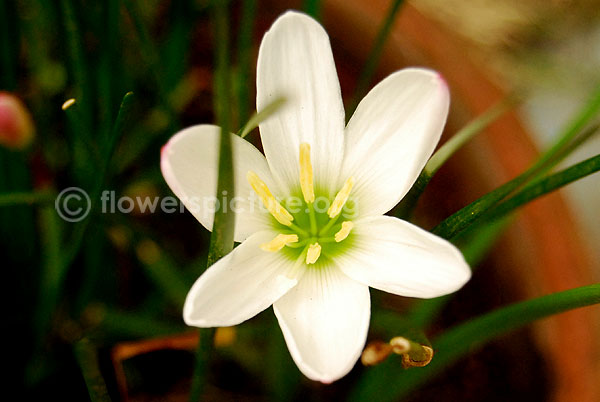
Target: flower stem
(221,240)
(87,358)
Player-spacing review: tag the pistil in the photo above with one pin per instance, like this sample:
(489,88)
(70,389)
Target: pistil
(306,234)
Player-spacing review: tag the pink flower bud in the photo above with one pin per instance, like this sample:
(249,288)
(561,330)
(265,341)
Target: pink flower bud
(16,125)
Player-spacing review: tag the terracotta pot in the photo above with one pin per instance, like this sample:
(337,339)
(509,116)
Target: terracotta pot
(542,252)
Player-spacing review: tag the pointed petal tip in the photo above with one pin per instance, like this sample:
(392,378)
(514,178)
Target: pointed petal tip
(164,150)
(325,322)
(441,78)
(297,18)
(290,14)
(436,77)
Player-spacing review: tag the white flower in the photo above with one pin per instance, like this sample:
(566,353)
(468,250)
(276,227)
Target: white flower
(315,265)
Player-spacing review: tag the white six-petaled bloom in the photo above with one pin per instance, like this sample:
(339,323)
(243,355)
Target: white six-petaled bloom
(315,265)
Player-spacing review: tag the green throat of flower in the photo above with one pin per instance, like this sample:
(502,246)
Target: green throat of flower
(309,232)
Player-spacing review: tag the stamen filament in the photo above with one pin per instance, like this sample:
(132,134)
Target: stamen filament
(306,174)
(299,244)
(329,225)
(299,230)
(260,188)
(313,253)
(341,198)
(313,219)
(279,242)
(344,231)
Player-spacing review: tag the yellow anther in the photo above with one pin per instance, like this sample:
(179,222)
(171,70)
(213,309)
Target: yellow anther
(274,207)
(313,254)
(68,104)
(306,174)
(344,231)
(341,198)
(279,242)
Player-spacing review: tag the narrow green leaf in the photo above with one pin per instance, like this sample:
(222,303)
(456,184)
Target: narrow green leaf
(87,357)
(466,338)
(28,198)
(176,50)
(78,234)
(474,127)
(79,67)
(261,116)
(118,128)
(460,220)
(570,138)
(374,55)
(221,240)
(52,272)
(58,258)
(108,69)
(84,156)
(151,55)
(474,243)
(574,127)
(203,357)
(545,186)
(244,58)
(281,375)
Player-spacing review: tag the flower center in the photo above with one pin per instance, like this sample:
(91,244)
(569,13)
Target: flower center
(309,226)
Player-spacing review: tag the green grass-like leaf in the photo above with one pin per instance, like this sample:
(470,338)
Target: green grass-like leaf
(441,156)
(545,186)
(374,55)
(221,240)
(244,58)
(465,338)
(261,116)
(475,244)
(567,142)
(27,198)
(79,67)
(87,357)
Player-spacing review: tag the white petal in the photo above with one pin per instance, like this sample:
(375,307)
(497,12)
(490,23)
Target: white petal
(295,61)
(240,285)
(189,164)
(325,320)
(391,136)
(398,257)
